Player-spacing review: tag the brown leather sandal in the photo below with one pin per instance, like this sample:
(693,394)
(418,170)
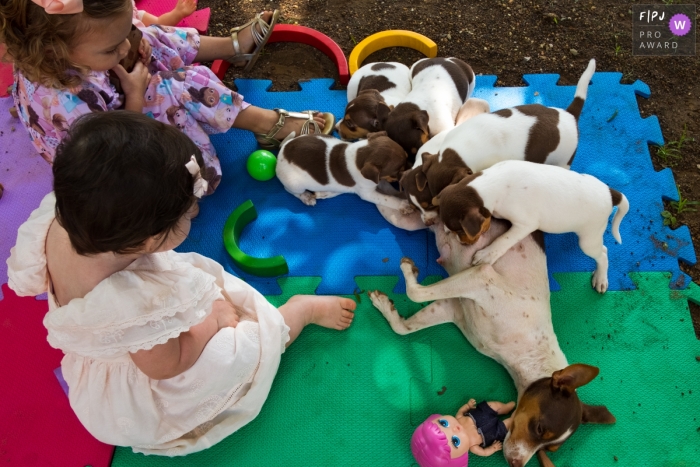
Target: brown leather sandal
(268,140)
(260,34)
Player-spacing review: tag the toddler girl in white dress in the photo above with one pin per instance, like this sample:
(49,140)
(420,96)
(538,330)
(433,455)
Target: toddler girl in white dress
(165,352)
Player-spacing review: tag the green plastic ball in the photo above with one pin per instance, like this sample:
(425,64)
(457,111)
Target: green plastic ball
(261,165)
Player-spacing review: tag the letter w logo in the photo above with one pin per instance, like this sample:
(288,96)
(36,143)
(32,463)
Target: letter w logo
(680,25)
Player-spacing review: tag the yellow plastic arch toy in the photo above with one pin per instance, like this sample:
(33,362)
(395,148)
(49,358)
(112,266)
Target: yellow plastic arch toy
(390,38)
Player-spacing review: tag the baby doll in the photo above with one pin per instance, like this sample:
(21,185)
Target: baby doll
(443,440)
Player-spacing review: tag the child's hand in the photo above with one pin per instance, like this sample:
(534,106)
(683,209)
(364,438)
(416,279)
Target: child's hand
(185,8)
(145,51)
(225,313)
(472,404)
(134,83)
(496,446)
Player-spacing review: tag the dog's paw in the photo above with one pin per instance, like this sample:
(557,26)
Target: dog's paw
(600,281)
(406,208)
(485,256)
(381,302)
(408,267)
(308,198)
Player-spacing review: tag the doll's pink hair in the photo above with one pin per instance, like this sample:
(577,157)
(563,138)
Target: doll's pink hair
(430,447)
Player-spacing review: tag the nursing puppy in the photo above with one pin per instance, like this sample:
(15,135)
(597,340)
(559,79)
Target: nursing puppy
(533,197)
(373,91)
(504,312)
(439,87)
(315,167)
(534,133)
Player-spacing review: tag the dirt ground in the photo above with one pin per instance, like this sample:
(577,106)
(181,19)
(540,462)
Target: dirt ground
(507,38)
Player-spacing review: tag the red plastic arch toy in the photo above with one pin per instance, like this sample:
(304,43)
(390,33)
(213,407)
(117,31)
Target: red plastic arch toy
(304,35)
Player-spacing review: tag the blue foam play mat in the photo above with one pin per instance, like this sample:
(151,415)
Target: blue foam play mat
(344,237)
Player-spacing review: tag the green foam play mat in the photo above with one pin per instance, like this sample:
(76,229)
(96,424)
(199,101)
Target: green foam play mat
(352,398)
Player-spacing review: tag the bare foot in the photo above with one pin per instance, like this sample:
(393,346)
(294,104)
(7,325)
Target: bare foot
(326,310)
(245,39)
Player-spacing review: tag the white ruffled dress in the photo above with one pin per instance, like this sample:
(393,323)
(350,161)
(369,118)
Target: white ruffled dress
(155,299)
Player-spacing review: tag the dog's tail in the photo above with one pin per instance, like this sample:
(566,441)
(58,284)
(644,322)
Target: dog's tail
(581,90)
(619,200)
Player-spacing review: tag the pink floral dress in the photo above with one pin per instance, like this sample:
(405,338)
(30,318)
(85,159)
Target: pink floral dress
(192,98)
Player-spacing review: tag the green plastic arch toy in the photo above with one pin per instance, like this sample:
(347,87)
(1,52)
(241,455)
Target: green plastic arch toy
(236,222)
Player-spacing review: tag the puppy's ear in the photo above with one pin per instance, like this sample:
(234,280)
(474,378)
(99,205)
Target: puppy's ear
(383,111)
(421,181)
(572,377)
(428,160)
(473,222)
(436,200)
(596,414)
(371,136)
(459,175)
(370,172)
(420,120)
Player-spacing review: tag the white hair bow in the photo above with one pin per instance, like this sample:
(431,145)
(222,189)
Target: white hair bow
(200,185)
(60,7)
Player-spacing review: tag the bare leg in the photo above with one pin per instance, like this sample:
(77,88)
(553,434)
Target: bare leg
(324,310)
(215,48)
(260,120)
(500,407)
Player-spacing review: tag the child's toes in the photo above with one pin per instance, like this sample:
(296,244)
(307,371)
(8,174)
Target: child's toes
(348,305)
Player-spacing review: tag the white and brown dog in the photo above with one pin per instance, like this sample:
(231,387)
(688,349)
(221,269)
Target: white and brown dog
(373,91)
(439,88)
(533,197)
(504,312)
(315,167)
(534,133)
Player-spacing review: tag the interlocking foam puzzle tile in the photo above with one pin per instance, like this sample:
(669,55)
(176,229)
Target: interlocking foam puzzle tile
(198,20)
(26,177)
(37,426)
(353,398)
(343,237)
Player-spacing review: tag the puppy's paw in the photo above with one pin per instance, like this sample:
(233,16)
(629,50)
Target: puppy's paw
(308,198)
(382,302)
(406,208)
(600,281)
(408,267)
(485,256)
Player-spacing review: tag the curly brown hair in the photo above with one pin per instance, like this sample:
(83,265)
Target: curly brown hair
(39,43)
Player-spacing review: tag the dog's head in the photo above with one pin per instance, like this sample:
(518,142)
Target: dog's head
(549,412)
(381,158)
(407,124)
(462,210)
(365,114)
(414,184)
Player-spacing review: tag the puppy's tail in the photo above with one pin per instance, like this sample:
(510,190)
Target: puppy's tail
(619,200)
(581,90)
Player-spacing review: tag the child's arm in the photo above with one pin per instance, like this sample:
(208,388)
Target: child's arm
(180,353)
(183,9)
(479,451)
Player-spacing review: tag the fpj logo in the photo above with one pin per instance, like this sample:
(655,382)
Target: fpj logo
(664,30)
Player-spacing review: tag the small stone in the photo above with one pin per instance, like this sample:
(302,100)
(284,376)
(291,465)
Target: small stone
(2,190)
(449,36)
(574,52)
(615,458)
(527,59)
(13,112)
(697,358)
(537,93)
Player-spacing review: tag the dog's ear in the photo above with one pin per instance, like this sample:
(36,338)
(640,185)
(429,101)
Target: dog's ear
(370,172)
(371,136)
(383,111)
(421,180)
(428,160)
(474,220)
(459,175)
(596,414)
(420,120)
(572,377)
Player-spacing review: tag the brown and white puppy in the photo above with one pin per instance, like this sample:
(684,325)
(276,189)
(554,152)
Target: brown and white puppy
(504,312)
(373,91)
(315,167)
(535,133)
(414,182)
(533,197)
(439,88)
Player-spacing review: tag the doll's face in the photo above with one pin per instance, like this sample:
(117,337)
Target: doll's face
(457,439)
